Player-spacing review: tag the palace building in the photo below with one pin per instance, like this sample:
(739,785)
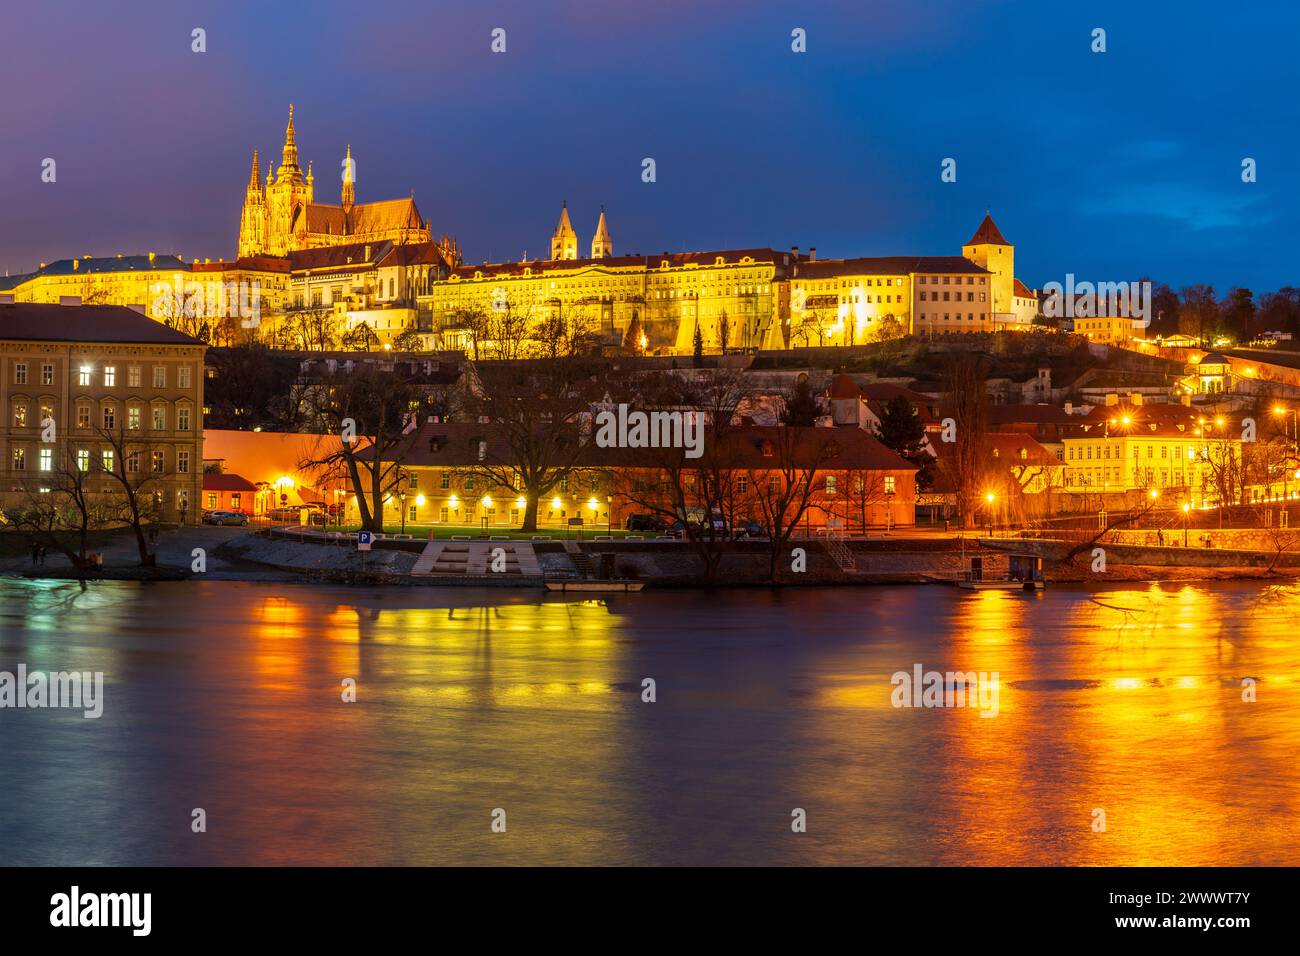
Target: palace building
(283,216)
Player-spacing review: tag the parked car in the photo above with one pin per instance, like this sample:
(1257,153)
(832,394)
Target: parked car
(225,517)
(645,523)
(749,529)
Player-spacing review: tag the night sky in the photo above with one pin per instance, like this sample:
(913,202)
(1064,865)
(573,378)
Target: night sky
(1111,165)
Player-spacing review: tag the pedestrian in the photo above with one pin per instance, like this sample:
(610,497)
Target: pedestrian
(1160,538)
(35,550)
(40,553)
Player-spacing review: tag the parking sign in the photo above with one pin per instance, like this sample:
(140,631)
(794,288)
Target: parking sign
(363,540)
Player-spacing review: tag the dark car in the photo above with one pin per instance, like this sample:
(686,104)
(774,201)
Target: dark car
(645,523)
(749,529)
(225,517)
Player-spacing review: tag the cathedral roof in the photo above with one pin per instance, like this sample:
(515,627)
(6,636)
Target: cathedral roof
(365,218)
(988,234)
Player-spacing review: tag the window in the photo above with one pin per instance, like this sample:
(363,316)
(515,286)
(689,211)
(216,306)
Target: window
(47,459)
(183,418)
(133,376)
(20,414)
(20,374)
(411,513)
(182,462)
(133,417)
(830,484)
(20,459)
(183,377)
(159,418)
(444,481)
(83,460)
(106,460)
(47,374)
(133,461)
(235,499)
(889,484)
(110,376)
(160,376)
(156,462)
(83,375)
(110,418)
(212,500)
(83,416)
(742,483)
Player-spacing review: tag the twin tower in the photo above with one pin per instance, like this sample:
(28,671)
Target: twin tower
(564,243)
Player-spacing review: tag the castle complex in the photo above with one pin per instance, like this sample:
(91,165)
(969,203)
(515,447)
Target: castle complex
(377,265)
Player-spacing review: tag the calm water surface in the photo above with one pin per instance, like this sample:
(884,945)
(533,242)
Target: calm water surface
(226,696)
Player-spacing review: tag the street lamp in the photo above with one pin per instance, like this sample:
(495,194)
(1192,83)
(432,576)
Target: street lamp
(1187,508)
(990,497)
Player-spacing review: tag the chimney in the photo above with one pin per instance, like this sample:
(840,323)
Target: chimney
(1112,400)
(794,251)
(1135,398)
(812,253)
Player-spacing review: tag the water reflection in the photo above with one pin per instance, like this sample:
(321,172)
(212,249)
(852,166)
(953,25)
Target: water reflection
(227,696)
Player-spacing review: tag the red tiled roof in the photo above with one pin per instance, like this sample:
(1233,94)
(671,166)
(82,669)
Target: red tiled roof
(888,266)
(1022,290)
(336,257)
(988,234)
(224,482)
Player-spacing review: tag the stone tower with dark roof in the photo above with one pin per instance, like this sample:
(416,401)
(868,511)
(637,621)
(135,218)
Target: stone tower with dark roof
(989,249)
(602,244)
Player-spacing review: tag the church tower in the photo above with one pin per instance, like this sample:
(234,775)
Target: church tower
(252,221)
(564,244)
(349,183)
(602,245)
(287,198)
(989,250)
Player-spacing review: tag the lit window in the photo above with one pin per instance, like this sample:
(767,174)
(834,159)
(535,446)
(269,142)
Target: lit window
(110,376)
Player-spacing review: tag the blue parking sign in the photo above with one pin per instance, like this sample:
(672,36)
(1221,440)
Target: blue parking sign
(363,540)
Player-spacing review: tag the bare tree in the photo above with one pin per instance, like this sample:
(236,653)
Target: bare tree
(963,380)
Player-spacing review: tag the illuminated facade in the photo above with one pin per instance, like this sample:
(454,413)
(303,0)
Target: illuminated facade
(283,216)
(116,386)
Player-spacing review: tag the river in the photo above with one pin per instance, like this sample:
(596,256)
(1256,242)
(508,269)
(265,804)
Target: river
(1122,704)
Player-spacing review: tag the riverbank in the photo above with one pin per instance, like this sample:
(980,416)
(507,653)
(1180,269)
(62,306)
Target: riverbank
(239,555)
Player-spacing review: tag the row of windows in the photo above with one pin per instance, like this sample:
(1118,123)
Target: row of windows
(1104,451)
(108,416)
(970,296)
(157,460)
(85,375)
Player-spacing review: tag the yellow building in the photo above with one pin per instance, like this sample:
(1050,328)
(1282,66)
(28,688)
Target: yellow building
(283,216)
(99,390)
(1109,329)
(989,250)
(855,301)
(1163,448)
(99,280)
(736,297)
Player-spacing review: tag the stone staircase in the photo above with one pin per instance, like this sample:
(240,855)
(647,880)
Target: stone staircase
(581,560)
(473,559)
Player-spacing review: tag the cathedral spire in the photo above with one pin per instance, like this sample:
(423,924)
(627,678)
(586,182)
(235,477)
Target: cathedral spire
(289,157)
(255,176)
(602,244)
(349,186)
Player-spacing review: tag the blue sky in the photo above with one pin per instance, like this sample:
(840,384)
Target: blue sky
(1111,166)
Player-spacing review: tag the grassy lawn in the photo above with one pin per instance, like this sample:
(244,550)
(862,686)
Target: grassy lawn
(420,532)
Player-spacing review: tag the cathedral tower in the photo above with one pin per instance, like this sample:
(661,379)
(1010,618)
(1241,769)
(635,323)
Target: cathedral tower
(564,244)
(349,184)
(287,198)
(252,221)
(602,245)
